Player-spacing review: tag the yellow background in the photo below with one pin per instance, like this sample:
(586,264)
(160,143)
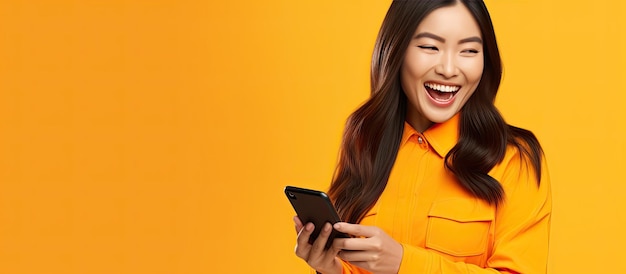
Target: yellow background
(154,136)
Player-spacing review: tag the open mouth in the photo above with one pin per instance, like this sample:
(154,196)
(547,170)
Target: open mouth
(441,93)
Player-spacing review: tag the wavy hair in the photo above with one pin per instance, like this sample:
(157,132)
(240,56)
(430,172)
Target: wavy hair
(373,132)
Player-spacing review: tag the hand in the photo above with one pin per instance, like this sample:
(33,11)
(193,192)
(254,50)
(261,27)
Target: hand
(372,250)
(324,261)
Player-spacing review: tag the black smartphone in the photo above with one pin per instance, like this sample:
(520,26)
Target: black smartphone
(314,206)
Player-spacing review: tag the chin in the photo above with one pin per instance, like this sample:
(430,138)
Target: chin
(441,117)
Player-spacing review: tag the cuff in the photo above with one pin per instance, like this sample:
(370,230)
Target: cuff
(414,260)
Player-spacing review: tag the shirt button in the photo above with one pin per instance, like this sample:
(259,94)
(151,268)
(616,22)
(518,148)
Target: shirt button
(420,140)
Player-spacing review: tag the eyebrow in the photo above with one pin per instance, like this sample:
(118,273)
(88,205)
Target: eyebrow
(442,40)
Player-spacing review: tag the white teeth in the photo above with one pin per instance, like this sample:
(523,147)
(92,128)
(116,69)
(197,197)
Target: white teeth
(443,88)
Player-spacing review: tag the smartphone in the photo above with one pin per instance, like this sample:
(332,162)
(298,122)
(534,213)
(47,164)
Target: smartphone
(314,206)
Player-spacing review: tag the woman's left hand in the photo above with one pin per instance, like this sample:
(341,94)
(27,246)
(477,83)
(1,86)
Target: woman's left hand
(372,249)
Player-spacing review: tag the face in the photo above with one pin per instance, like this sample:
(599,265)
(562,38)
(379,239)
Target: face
(442,66)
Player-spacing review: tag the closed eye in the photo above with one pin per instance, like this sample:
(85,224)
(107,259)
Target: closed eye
(469,52)
(430,48)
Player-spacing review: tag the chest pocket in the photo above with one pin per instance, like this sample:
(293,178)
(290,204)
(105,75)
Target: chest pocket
(459,227)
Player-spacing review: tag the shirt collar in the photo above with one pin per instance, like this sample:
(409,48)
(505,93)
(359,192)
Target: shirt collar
(442,137)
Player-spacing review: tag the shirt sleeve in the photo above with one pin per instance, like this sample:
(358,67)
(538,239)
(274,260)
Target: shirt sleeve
(521,233)
(352,269)
(347,268)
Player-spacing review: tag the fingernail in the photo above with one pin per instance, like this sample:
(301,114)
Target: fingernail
(310,226)
(327,227)
(337,226)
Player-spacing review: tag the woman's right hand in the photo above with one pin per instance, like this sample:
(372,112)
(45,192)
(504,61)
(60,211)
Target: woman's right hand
(324,261)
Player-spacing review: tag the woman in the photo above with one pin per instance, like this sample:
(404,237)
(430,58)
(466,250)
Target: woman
(430,178)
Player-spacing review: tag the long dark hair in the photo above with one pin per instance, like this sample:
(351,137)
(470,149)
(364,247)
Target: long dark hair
(373,132)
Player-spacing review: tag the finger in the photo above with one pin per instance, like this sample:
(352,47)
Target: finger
(298,224)
(353,244)
(320,243)
(302,243)
(354,256)
(305,233)
(356,229)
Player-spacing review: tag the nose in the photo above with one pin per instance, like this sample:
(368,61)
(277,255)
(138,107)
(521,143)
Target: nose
(447,66)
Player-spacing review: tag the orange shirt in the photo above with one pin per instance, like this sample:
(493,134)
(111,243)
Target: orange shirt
(444,229)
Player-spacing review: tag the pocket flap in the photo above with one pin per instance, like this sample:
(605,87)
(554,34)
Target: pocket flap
(462,210)
(459,227)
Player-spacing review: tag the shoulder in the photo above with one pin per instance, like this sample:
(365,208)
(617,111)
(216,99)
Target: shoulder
(524,150)
(523,161)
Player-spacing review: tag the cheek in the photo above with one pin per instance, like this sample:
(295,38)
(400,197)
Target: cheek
(415,66)
(473,71)
(407,84)
(407,78)
(410,81)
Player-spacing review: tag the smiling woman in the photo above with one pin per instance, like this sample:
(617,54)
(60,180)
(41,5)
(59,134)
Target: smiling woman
(157,136)
(430,177)
(442,66)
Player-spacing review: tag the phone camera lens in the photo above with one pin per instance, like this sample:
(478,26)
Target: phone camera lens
(291,195)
